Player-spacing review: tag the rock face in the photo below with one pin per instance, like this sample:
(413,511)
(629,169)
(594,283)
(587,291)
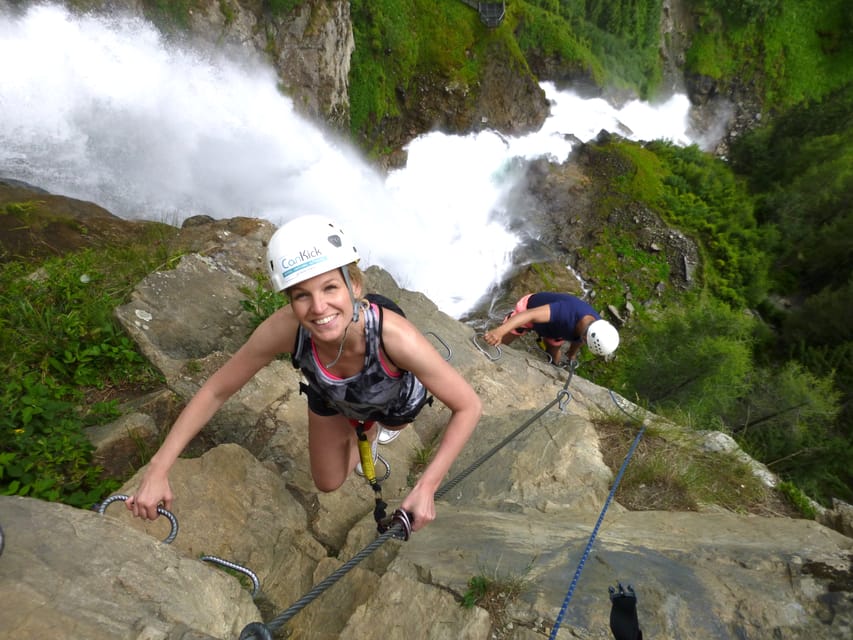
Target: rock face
(71,574)
(526,513)
(309,48)
(506,98)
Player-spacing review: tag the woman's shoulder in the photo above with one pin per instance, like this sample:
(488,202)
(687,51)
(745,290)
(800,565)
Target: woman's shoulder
(277,333)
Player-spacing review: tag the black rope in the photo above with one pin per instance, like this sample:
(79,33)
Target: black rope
(261,631)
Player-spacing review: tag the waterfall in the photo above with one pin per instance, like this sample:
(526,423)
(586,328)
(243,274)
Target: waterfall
(104,109)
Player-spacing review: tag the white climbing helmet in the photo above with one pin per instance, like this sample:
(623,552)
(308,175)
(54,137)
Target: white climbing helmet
(602,338)
(306,247)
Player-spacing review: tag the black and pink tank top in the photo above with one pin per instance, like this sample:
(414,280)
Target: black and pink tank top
(374,393)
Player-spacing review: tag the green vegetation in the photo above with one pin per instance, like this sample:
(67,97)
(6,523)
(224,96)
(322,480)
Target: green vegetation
(261,302)
(799,500)
(773,222)
(401,45)
(806,200)
(169,13)
(404,45)
(544,34)
(789,50)
(495,591)
(615,43)
(64,361)
(670,472)
(695,357)
(692,191)
(281,7)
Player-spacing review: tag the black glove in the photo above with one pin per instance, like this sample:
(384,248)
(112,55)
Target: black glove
(623,613)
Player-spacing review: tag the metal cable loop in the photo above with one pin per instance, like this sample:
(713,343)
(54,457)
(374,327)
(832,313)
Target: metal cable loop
(483,351)
(256,584)
(387,465)
(100,508)
(443,344)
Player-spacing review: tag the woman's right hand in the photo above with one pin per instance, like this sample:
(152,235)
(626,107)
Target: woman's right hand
(493,337)
(153,492)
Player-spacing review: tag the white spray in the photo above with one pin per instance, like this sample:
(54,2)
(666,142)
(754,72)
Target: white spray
(102,109)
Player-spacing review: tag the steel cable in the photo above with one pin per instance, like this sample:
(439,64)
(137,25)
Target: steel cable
(262,631)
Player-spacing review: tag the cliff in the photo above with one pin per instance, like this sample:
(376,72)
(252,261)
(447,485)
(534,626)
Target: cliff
(523,518)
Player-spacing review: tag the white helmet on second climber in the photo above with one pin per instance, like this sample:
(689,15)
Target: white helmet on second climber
(306,247)
(602,338)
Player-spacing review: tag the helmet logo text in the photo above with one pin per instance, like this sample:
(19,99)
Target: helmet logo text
(304,259)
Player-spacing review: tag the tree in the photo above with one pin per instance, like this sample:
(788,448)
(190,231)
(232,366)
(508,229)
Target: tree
(692,360)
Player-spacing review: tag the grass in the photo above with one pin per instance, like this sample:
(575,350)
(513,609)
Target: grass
(670,472)
(66,362)
(420,458)
(494,591)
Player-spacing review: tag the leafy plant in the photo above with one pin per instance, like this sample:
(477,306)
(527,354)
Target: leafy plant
(44,452)
(60,348)
(261,302)
(798,499)
(694,358)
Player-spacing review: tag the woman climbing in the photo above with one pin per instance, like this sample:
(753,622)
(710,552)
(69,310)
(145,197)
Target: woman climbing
(557,317)
(363,365)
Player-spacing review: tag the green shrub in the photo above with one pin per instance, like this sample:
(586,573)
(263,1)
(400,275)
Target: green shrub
(692,359)
(798,499)
(60,348)
(45,453)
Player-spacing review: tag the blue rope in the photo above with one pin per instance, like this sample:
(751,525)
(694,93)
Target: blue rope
(597,525)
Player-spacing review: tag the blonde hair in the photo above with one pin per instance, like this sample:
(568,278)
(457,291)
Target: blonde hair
(356,275)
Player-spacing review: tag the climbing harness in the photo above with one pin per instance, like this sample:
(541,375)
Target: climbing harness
(398,525)
(100,508)
(256,585)
(594,533)
(490,356)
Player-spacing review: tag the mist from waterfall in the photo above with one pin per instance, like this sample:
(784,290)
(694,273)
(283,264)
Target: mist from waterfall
(104,109)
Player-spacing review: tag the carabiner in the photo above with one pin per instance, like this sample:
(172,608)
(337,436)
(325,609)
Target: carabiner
(564,397)
(403,518)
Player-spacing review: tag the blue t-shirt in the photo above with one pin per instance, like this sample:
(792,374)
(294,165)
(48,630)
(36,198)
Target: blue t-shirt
(566,311)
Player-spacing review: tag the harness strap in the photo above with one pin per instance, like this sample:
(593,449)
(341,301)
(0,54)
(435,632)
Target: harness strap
(365,452)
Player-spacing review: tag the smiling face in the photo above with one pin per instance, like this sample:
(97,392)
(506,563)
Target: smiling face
(323,306)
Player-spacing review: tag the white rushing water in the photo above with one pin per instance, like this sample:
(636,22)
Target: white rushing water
(104,110)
